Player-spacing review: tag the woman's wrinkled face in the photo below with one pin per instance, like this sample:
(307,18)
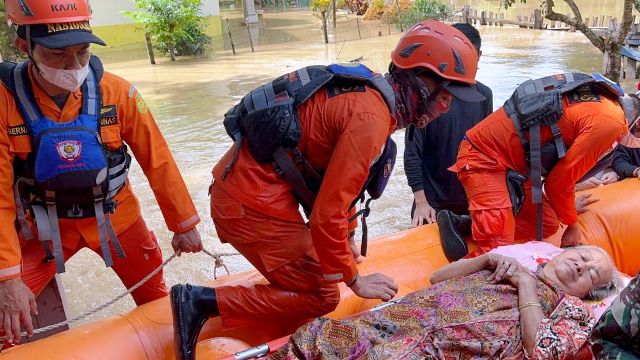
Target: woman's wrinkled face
(578,271)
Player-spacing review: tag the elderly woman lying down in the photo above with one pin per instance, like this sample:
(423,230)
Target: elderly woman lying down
(489,307)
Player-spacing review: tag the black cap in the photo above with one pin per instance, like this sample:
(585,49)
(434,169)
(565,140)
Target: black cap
(61,35)
(463,92)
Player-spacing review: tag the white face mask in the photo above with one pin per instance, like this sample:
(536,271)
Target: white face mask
(69,80)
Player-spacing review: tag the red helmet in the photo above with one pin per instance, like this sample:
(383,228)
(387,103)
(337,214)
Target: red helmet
(30,12)
(440,48)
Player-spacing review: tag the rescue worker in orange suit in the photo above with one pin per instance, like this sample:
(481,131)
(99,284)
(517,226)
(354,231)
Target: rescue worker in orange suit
(590,121)
(343,129)
(71,191)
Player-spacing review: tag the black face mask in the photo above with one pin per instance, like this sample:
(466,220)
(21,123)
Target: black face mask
(412,98)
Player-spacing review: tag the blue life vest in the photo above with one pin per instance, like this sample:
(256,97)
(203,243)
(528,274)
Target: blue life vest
(70,173)
(267,118)
(537,103)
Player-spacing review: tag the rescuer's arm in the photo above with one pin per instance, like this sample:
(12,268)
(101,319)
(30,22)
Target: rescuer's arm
(361,132)
(596,134)
(17,302)
(140,131)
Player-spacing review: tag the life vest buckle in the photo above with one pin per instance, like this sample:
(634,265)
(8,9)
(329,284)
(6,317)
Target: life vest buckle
(48,258)
(75,211)
(50,197)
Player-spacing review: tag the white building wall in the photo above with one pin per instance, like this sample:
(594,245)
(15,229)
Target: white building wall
(109,12)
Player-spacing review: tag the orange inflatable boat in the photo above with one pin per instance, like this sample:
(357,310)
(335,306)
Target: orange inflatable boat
(409,257)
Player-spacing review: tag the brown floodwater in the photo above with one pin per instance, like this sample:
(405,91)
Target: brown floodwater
(189,98)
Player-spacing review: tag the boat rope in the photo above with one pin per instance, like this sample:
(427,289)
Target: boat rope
(219,263)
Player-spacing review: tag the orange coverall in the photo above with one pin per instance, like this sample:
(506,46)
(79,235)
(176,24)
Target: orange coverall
(125,117)
(255,210)
(589,129)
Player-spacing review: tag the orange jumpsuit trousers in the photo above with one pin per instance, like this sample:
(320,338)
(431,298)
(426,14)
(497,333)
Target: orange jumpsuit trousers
(493,222)
(143,255)
(283,252)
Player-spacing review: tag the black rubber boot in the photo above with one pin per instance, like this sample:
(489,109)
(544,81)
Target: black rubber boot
(191,306)
(453,228)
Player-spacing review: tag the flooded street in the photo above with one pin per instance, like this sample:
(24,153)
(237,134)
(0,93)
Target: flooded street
(189,98)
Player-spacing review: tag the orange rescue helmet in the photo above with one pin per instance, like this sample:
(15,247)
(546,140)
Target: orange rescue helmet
(440,48)
(52,23)
(31,12)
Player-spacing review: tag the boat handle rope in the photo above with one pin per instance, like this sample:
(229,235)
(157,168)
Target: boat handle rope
(219,263)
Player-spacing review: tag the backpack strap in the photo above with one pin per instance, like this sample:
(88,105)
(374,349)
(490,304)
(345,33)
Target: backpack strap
(98,68)
(91,99)
(52,214)
(535,169)
(287,169)
(6,73)
(21,86)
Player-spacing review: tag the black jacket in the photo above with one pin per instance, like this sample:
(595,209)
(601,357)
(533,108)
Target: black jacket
(435,147)
(625,160)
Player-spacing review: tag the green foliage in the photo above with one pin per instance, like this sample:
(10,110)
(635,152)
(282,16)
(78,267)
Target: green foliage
(7,37)
(422,10)
(508,3)
(378,4)
(173,24)
(320,5)
(325,5)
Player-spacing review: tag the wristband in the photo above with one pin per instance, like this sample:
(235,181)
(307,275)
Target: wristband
(352,282)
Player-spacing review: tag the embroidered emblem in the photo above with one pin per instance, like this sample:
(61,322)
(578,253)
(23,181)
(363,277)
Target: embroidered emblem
(108,115)
(339,90)
(142,106)
(69,150)
(583,94)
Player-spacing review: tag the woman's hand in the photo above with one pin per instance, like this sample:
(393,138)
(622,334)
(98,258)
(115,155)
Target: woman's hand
(590,183)
(508,268)
(609,176)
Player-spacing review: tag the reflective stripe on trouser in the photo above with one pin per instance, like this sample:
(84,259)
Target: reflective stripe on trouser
(143,256)
(282,251)
(493,223)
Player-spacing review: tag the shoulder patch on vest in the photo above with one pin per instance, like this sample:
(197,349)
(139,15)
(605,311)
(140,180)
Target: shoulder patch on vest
(108,115)
(18,130)
(141,105)
(343,89)
(583,94)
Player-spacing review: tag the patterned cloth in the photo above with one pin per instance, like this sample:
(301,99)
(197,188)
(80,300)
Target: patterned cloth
(617,334)
(462,318)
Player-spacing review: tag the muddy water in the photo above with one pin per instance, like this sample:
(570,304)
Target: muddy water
(189,98)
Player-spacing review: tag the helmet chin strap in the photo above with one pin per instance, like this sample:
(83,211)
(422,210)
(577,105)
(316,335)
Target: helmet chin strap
(413,98)
(30,46)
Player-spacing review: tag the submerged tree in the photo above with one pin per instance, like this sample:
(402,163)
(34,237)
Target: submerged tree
(7,37)
(422,10)
(321,6)
(609,44)
(175,26)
